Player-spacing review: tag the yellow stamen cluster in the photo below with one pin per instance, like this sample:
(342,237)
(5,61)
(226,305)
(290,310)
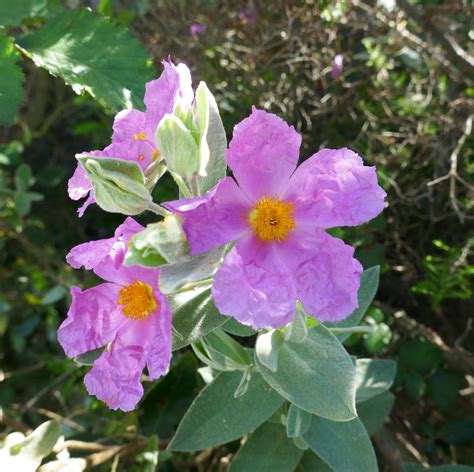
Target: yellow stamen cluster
(137,300)
(272,219)
(141,136)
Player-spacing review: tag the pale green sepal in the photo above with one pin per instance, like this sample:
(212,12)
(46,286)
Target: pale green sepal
(119,186)
(297,331)
(267,348)
(177,146)
(213,141)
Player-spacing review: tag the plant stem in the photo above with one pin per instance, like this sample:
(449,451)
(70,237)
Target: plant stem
(193,181)
(158,209)
(182,185)
(352,329)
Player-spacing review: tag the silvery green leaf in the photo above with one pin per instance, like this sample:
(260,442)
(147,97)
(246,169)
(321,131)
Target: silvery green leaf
(374,411)
(177,146)
(297,331)
(189,270)
(153,173)
(317,376)
(267,347)
(213,142)
(217,417)
(373,377)
(159,243)
(220,344)
(119,186)
(298,421)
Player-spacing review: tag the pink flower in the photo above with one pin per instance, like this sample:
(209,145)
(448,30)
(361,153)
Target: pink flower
(197,28)
(337,66)
(247,17)
(133,137)
(128,314)
(277,216)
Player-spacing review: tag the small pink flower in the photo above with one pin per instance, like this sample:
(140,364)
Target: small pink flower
(133,137)
(337,66)
(128,314)
(276,215)
(247,17)
(197,28)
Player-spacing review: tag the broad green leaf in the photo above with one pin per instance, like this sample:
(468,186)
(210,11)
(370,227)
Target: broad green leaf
(443,388)
(54,295)
(344,446)
(23,177)
(158,244)
(297,331)
(232,326)
(177,146)
(194,315)
(267,348)
(11,90)
(13,13)
(118,185)
(374,411)
(267,449)
(189,270)
(220,342)
(212,166)
(297,422)
(217,416)
(369,283)
(317,375)
(373,377)
(90,53)
(310,462)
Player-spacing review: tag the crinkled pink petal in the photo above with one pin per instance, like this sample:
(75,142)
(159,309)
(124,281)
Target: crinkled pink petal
(263,154)
(105,256)
(158,355)
(334,188)
(254,285)
(217,218)
(79,185)
(128,123)
(89,201)
(92,320)
(162,94)
(115,377)
(326,275)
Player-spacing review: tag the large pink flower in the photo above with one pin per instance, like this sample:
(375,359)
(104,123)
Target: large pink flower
(133,137)
(128,314)
(277,216)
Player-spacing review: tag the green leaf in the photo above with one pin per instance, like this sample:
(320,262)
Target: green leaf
(88,358)
(158,244)
(310,462)
(317,375)
(11,90)
(118,185)
(13,13)
(232,326)
(443,388)
(267,449)
(177,146)
(219,342)
(267,348)
(212,166)
(373,377)
(457,431)
(90,53)
(369,283)
(194,315)
(421,355)
(344,446)
(298,421)
(414,385)
(23,177)
(54,295)
(189,270)
(374,411)
(297,331)
(217,417)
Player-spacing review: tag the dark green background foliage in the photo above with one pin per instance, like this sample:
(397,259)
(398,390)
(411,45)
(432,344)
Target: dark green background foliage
(402,101)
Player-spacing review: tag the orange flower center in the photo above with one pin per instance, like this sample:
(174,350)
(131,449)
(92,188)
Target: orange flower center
(272,219)
(137,300)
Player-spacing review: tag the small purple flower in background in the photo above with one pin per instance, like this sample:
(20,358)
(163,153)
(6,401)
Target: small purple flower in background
(277,215)
(128,313)
(197,28)
(337,66)
(247,17)
(133,137)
